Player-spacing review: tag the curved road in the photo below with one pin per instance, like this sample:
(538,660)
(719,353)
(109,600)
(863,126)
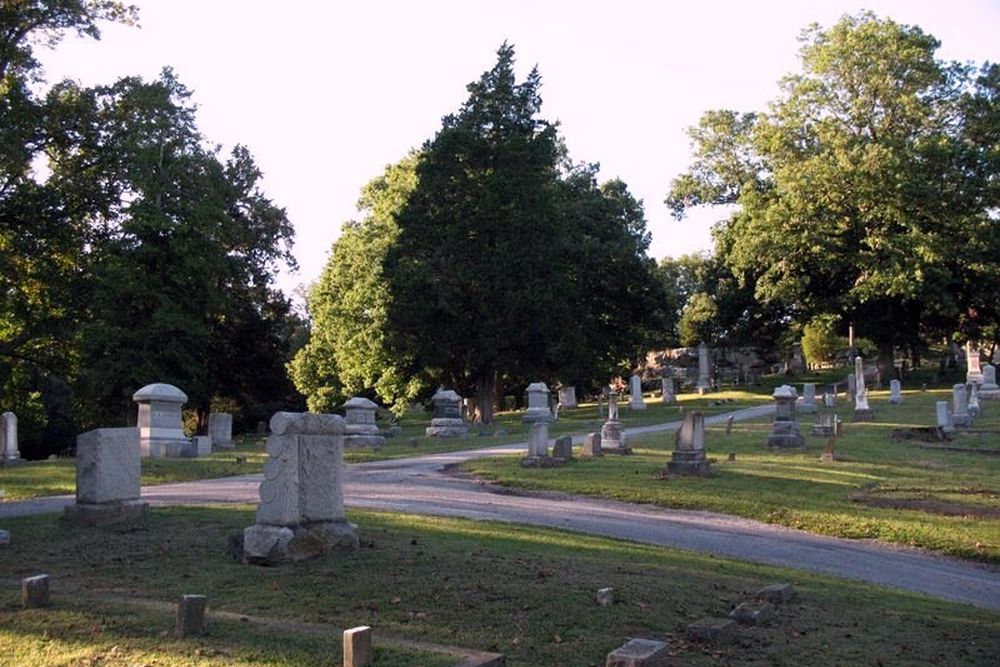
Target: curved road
(419,485)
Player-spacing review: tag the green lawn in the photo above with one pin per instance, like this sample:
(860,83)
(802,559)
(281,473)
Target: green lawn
(526,592)
(894,491)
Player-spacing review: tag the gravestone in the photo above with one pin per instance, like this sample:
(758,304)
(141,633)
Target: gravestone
(895,392)
(989,390)
(447,421)
(220,427)
(973,374)
(785,429)
(361,429)
(830,399)
(605,597)
(202,445)
(960,411)
(635,400)
(567,397)
(639,652)
(667,390)
(974,410)
(852,386)
(704,373)
(358,646)
(562,450)
(689,452)
(538,447)
(808,404)
(161,429)
(592,445)
(538,404)
(944,417)
(191,616)
(862,411)
(825,425)
(754,612)
(612,432)
(107,478)
(35,591)
(301,510)
(8,431)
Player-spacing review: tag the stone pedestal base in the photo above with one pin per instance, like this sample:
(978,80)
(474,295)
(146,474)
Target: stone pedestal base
(541,462)
(168,449)
(447,427)
(105,514)
(613,439)
(863,415)
(272,545)
(689,463)
(532,415)
(785,435)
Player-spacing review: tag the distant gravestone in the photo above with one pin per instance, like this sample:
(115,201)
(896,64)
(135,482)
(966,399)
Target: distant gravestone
(538,447)
(667,390)
(862,411)
(592,445)
(538,404)
(704,372)
(191,616)
(974,410)
(852,387)
(35,591)
(563,448)
(640,653)
(785,429)
(107,478)
(161,429)
(895,392)
(220,427)
(567,397)
(808,404)
(974,374)
(635,400)
(202,445)
(361,429)
(944,417)
(825,425)
(830,399)
(8,431)
(960,412)
(301,510)
(612,432)
(447,421)
(689,452)
(989,390)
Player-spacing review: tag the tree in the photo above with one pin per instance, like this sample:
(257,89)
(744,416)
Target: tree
(854,193)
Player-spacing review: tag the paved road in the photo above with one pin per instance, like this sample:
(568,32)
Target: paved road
(419,486)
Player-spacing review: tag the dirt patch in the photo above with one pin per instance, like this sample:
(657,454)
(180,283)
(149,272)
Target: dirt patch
(920,434)
(930,505)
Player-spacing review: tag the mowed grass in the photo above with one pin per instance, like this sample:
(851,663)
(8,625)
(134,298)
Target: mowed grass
(523,591)
(903,492)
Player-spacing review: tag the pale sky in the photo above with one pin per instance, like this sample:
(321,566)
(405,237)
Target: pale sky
(325,94)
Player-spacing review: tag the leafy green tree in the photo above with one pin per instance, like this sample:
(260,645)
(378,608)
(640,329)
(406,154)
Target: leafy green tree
(699,320)
(820,341)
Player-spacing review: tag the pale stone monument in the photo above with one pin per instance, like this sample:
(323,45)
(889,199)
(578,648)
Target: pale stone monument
(612,432)
(358,646)
(808,404)
(989,390)
(944,417)
(960,412)
(361,430)
(202,445)
(862,411)
(567,397)
(538,447)
(704,373)
(638,652)
(447,421)
(689,452)
(852,387)
(8,431)
(562,449)
(592,445)
(107,478)
(220,427)
(895,392)
(301,511)
(538,404)
(667,390)
(830,399)
(785,429)
(973,374)
(974,410)
(825,425)
(635,400)
(161,430)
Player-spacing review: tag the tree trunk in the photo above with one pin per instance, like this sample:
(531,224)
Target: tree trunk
(886,363)
(486,396)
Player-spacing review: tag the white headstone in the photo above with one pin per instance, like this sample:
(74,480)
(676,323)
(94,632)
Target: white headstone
(8,431)
(161,428)
(538,439)
(538,404)
(220,427)
(107,477)
(861,392)
(944,417)
(974,410)
(990,377)
(567,397)
(635,400)
(895,392)
(974,374)
(960,402)
(808,404)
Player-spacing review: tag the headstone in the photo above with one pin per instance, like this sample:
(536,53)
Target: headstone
(538,447)
(612,432)
(447,421)
(35,591)
(635,400)
(605,597)
(689,453)
(895,392)
(973,374)
(729,424)
(785,429)
(667,390)
(592,445)
(361,429)
(8,431)
(712,630)
(862,411)
(301,511)
(220,427)
(107,478)
(358,646)
(852,386)
(989,390)
(960,412)
(824,425)
(161,430)
(567,397)
(776,593)
(753,613)
(191,616)
(704,374)
(538,404)
(830,399)
(808,404)
(202,445)
(640,653)
(944,417)
(974,410)
(563,448)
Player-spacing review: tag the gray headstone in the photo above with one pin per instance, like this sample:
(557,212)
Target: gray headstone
(8,431)
(107,465)
(712,630)
(753,613)
(605,597)
(640,653)
(191,615)
(447,421)
(704,372)
(361,429)
(785,430)
(538,404)
(944,417)
(960,412)
(563,448)
(161,428)
(35,591)
(808,404)
(667,390)
(220,428)
(777,593)
(358,646)
(567,397)
(895,392)
(635,400)
(592,445)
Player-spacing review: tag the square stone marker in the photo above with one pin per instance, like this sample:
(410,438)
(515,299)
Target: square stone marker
(753,613)
(35,591)
(358,646)
(712,630)
(640,653)
(777,593)
(191,615)
(605,596)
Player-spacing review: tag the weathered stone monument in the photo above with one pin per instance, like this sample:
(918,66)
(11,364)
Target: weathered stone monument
(689,452)
(808,404)
(107,478)
(361,429)
(785,429)
(447,421)
(944,417)
(704,372)
(960,412)
(638,652)
(989,390)
(825,425)
(220,427)
(612,432)
(202,445)
(301,511)
(973,374)
(538,447)
(852,387)
(667,390)
(161,429)
(538,404)
(191,616)
(830,399)
(862,411)
(562,448)
(8,432)
(567,397)
(895,392)
(974,410)
(635,400)
(592,445)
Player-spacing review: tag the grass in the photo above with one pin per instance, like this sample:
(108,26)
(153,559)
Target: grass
(523,591)
(911,484)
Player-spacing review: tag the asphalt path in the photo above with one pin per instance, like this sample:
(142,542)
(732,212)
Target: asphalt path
(421,485)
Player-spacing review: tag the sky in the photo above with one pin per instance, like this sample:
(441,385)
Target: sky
(326,94)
